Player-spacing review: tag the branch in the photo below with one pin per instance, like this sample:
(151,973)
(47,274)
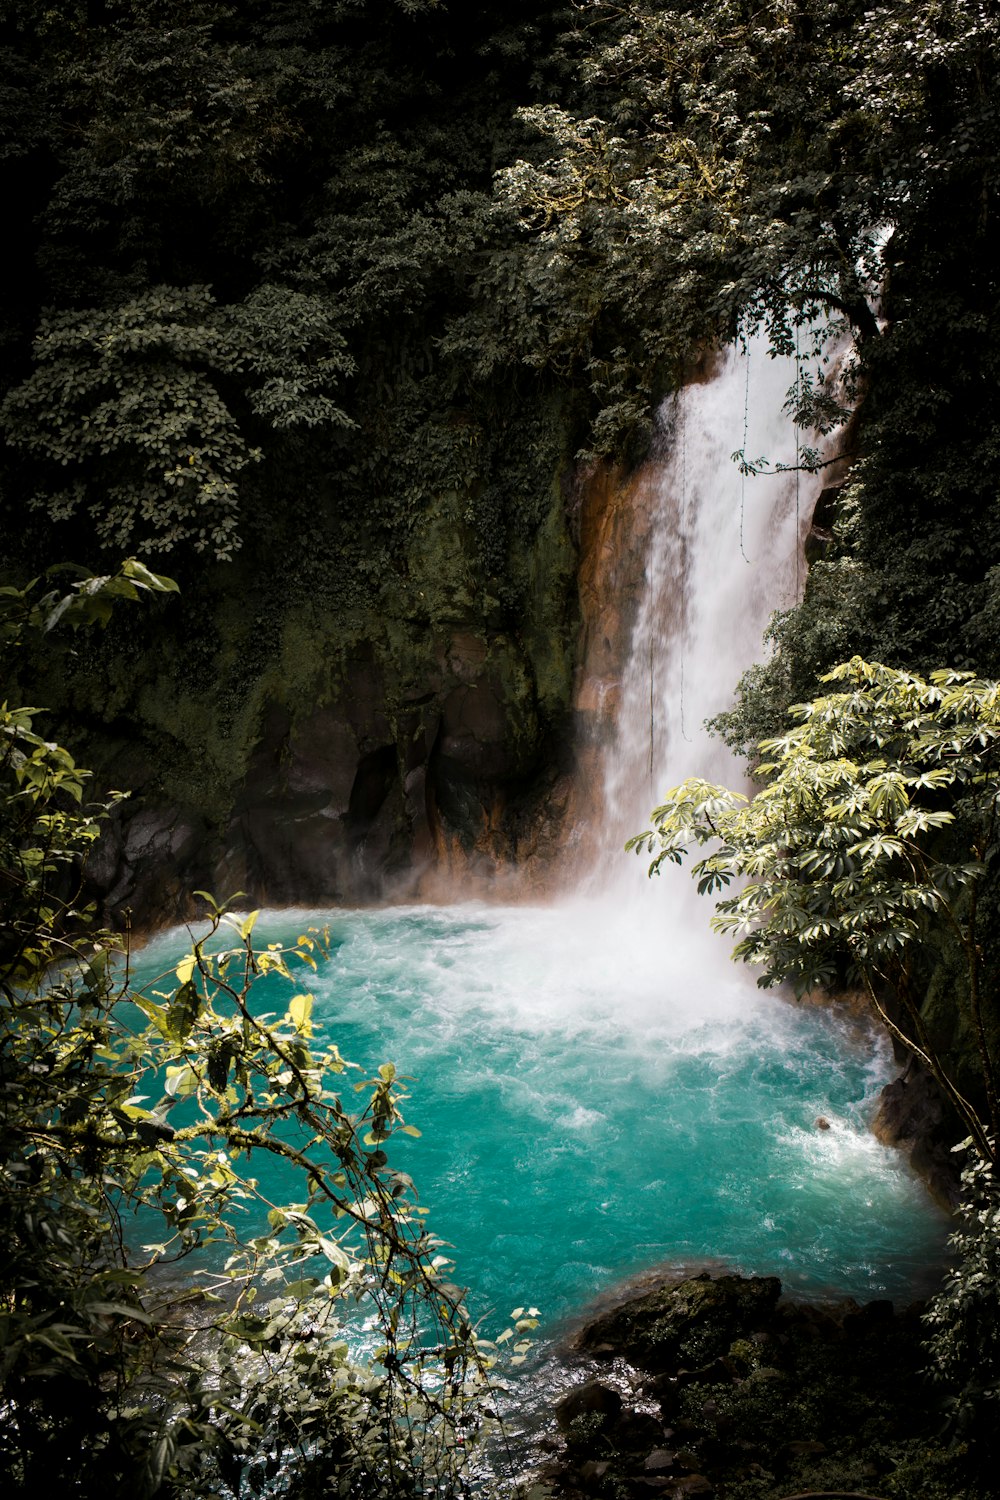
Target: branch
(858,313)
(760,467)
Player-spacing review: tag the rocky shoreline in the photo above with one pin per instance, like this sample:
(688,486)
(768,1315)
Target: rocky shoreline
(717,1386)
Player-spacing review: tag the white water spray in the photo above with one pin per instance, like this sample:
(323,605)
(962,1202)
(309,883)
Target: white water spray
(725,553)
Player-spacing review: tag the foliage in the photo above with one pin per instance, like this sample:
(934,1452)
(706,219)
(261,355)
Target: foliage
(864,853)
(714,185)
(962,1318)
(759,164)
(116,1370)
(244,224)
(26,614)
(45,826)
(262,238)
(165,1328)
(130,398)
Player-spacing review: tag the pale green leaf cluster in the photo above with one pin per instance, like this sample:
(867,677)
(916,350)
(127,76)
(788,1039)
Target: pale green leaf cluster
(840,849)
(131,1143)
(864,848)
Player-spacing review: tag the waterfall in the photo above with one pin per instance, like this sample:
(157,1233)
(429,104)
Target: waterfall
(724,553)
(601,1092)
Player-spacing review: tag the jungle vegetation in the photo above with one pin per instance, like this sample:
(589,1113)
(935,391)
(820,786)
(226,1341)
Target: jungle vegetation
(288,282)
(166,1327)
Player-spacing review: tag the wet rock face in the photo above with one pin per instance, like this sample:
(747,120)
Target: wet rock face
(820,534)
(354,799)
(615,514)
(144,859)
(717,1386)
(913,1115)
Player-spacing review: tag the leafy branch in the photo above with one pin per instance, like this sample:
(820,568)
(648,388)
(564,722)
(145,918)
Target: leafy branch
(864,852)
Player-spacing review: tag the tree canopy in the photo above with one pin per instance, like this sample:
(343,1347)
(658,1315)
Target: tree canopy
(240,222)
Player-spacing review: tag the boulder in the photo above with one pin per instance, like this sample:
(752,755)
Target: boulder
(913,1115)
(690,1323)
(586,1400)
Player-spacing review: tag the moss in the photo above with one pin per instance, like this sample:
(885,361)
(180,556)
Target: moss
(551,573)
(790,1398)
(439,584)
(691,1321)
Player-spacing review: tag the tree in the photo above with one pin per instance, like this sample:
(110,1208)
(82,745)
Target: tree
(165,1329)
(125,407)
(868,853)
(743,164)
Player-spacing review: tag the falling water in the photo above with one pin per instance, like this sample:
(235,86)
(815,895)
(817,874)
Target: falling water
(724,553)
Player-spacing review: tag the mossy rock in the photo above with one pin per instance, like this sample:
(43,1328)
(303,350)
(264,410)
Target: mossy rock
(689,1323)
(749,1397)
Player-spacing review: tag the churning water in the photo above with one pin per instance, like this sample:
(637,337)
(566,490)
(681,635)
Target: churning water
(591,1107)
(600,1090)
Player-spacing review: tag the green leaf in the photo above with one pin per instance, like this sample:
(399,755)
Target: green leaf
(181,1081)
(300,1009)
(156,582)
(184,1010)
